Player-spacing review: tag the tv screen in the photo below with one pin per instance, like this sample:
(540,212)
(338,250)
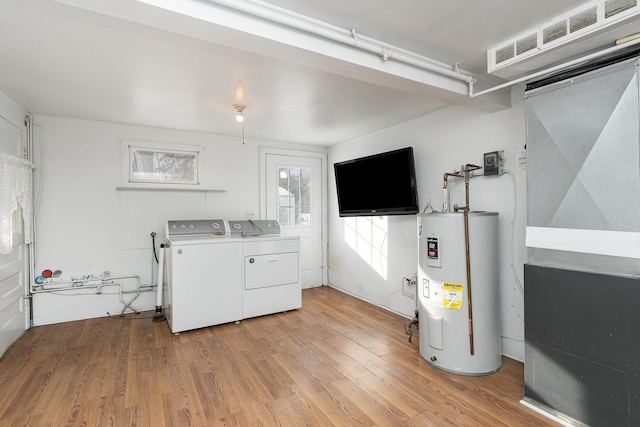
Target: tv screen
(382,184)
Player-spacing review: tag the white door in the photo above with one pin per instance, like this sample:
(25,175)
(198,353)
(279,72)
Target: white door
(14,315)
(294,191)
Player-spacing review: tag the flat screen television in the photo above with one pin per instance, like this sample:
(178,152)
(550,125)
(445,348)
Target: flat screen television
(382,184)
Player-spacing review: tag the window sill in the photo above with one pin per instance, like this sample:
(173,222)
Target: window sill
(166,188)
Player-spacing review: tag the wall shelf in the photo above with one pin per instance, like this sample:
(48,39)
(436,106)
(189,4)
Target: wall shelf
(145,188)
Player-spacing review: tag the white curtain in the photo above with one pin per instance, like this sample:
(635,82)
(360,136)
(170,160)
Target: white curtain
(16,189)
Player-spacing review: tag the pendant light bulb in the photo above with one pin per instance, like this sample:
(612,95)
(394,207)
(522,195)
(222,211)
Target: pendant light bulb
(239,113)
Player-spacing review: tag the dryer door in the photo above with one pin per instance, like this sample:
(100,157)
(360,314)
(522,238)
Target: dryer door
(262,271)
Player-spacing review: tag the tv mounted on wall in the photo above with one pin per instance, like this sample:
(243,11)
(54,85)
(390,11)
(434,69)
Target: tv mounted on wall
(382,184)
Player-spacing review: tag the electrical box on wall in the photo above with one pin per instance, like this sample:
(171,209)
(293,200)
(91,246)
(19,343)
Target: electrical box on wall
(492,163)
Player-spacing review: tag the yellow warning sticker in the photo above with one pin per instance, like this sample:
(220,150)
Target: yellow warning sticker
(452,297)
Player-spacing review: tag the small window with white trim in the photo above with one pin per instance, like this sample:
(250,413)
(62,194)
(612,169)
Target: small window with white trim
(160,164)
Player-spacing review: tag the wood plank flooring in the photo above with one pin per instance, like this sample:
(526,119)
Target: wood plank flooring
(338,361)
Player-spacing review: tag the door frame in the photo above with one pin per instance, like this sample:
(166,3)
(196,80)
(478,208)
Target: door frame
(9,113)
(264,151)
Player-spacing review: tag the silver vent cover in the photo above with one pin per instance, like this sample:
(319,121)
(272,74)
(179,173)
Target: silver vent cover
(594,16)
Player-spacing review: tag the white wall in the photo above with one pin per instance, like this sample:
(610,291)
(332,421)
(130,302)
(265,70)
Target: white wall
(442,142)
(85,226)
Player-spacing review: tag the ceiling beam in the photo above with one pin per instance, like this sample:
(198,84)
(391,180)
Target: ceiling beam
(214,23)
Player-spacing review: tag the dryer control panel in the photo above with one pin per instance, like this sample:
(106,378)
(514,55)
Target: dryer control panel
(199,227)
(254,228)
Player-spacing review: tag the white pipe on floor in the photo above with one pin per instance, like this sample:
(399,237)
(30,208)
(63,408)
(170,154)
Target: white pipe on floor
(160,278)
(96,282)
(159,316)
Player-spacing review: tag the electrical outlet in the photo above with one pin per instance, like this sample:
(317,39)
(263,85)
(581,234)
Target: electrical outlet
(251,214)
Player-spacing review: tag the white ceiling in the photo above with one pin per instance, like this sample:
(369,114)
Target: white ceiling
(135,63)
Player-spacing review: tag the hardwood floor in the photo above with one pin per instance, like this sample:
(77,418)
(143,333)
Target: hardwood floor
(338,361)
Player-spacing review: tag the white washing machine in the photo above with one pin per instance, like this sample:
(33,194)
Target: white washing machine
(201,275)
(213,276)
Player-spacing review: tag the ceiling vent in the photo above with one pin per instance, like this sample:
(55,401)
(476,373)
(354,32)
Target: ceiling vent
(574,33)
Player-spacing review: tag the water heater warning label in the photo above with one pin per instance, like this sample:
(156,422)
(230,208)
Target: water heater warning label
(452,295)
(443,294)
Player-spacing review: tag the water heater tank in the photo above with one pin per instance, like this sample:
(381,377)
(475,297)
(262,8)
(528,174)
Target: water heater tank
(445,321)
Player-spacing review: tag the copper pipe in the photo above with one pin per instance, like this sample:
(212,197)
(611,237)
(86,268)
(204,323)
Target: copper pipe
(469,300)
(467,176)
(447,175)
(467,169)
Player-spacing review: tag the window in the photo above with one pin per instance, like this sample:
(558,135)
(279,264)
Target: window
(159,164)
(294,196)
(367,236)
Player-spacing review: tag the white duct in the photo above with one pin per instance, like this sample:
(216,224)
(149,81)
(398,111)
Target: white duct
(560,67)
